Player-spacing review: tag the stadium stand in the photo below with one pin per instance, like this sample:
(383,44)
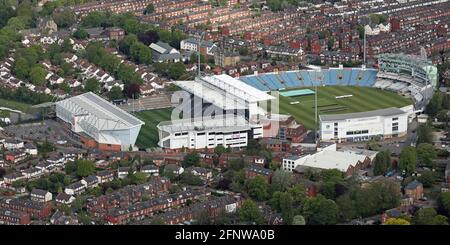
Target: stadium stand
(309,78)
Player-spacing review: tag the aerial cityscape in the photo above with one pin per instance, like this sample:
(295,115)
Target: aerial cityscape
(225,112)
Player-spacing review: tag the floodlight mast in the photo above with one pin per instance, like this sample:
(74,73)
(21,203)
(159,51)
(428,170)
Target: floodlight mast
(199,54)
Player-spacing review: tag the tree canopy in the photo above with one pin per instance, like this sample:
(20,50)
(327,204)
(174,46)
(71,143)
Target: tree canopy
(320,211)
(258,188)
(408,159)
(85,168)
(191,159)
(249,212)
(382,162)
(426,154)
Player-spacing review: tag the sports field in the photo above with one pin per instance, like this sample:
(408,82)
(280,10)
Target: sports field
(362,99)
(148,136)
(15,105)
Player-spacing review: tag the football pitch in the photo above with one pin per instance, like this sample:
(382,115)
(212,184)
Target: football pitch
(362,99)
(148,136)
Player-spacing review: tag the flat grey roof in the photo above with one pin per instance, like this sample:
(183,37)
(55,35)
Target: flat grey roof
(382,112)
(205,124)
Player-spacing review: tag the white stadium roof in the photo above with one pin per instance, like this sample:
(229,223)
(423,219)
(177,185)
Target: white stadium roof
(93,105)
(224,91)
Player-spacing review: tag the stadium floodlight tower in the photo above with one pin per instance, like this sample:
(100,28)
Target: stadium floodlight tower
(199,52)
(319,71)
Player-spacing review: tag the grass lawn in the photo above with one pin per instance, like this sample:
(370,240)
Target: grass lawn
(4,113)
(363,99)
(148,136)
(14,105)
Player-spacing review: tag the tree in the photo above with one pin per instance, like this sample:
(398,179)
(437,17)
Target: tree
(321,211)
(249,212)
(435,104)
(128,76)
(92,85)
(157,221)
(382,162)
(16,23)
(138,178)
(397,221)
(18,184)
(37,75)
(444,202)
(64,19)
(84,218)
(131,25)
(298,193)
(243,51)
(219,149)
(176,70)
(85,168)
(94,19)
(281,180)
(287,212)
(81,34)
(6,12)
(115,93)
(191,159)
(21,68)
(65,209)
(149,9)
(236,164)
(141,53)
(424,134)
(427,178)
(368,201)
(439,220)
(346,206)
(258,188)
(126,42)
(425,216)
(275,5)
(408,159)
(299,220)
(426,153)
(283,202)
(328,189)
(66,45)
(332,175)
(331,42)
(148,37)
(133,90)
(194,58)
(190,179)
(442,116)
(70,167)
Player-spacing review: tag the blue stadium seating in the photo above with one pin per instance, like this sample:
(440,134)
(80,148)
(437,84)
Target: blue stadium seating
(274,80)
(357,74)
(347,76)
(308,78)
(295,78)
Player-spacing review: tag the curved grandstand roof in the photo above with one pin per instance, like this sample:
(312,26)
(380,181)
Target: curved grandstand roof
(90,104)
(224,91)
